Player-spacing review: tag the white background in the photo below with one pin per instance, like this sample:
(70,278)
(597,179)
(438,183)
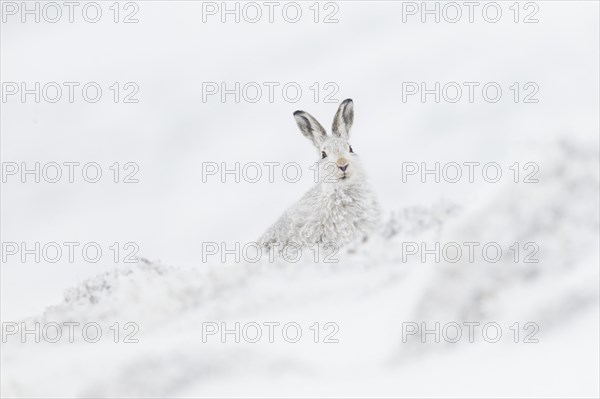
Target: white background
(368,54)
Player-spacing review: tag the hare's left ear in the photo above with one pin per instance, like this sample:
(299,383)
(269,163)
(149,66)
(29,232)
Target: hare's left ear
(310,128)
(342,121)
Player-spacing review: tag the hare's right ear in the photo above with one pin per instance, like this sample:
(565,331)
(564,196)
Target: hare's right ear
(310,128)
(343,119)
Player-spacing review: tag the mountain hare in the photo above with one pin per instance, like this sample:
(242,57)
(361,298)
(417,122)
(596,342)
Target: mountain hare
(340,208)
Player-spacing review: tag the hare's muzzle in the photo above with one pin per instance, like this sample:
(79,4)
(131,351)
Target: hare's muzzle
(342,164)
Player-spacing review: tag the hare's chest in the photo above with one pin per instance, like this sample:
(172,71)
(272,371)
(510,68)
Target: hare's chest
(341,207)
(339,216)
(344,214)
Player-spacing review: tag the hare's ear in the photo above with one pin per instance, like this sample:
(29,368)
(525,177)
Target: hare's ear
(310,128)
(342,121)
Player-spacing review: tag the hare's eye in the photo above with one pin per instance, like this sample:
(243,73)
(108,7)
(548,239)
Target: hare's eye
(351,149)
(323,154)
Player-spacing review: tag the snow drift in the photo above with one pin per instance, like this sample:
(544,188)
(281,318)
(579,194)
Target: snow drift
(368,294)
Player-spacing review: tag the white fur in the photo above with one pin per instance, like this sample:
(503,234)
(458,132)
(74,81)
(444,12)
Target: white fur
(340,208)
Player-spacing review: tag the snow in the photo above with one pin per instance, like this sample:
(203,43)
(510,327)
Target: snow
(368,294)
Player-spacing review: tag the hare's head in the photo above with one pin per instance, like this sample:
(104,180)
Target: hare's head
(337,160)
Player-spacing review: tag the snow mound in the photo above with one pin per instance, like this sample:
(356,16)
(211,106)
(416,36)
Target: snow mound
(369,293)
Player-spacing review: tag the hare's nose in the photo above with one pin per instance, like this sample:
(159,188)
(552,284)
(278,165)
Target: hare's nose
(342,163)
